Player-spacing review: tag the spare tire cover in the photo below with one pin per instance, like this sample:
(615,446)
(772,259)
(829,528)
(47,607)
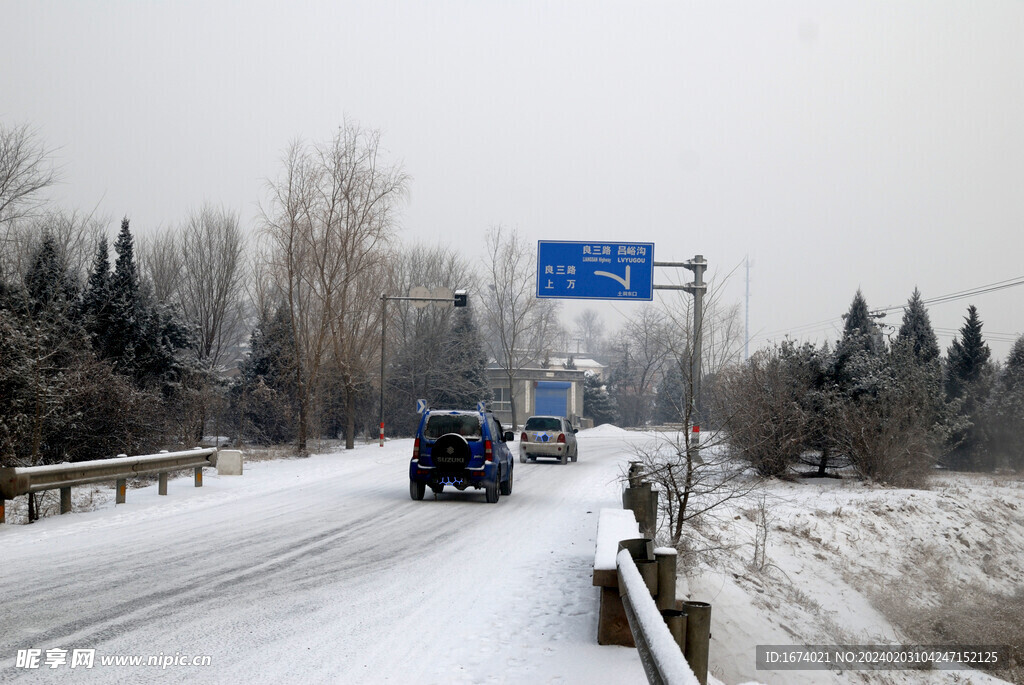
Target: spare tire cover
(451,452)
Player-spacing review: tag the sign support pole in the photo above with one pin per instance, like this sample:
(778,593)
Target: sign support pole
(698,266)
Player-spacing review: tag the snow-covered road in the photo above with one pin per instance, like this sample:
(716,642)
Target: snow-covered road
(323,569)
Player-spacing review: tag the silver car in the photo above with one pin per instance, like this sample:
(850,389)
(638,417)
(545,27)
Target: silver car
(549,437)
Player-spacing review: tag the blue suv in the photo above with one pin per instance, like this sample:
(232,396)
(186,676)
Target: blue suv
(461,449)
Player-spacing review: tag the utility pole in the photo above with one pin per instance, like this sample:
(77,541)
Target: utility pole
(746,323)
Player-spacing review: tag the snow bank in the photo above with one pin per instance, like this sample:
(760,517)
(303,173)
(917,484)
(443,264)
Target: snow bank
(604,430)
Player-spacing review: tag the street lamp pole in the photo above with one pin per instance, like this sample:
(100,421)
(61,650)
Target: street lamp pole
(383,343)
(459,299)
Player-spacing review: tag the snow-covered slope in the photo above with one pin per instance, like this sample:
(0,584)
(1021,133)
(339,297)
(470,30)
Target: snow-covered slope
(847,563)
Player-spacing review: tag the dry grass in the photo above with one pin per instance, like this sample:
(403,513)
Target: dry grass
(932,608)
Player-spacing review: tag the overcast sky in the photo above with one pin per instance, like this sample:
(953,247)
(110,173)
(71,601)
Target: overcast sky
(872,145)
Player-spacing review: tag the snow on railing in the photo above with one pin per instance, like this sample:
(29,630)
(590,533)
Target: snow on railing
(659,653)
(16,481)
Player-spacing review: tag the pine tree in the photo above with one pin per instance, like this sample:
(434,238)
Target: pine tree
(857,319)
(598,405)
(124,332)
(270,348)
(125,282)
(672,394)
(464,371)
(968,356)
(95,306)
(917,330)
(968,380)
(49,286)
(1005,412)
(263,400)
(860,333)
(143,339)
(861,341)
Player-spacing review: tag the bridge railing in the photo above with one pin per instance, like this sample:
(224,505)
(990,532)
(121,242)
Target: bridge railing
(659,649)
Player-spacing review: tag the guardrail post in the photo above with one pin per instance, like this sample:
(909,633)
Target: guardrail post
(638,500)
(162,488)
(652,512)
(666,558)
(199,476)
(676,622)
(612,625)
(122,486)
(648,569)
(65,500)
(698,637)
(635,473)
(639,548)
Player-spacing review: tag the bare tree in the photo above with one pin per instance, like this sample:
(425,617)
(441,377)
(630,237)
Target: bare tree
(25,171)
(696,477)
(589,329)
(769,427)
(328,227)
(212,261)
(642,347)
(160,262)
(691,487)
(518,323)
(288,232)
(721,335)
(357,223)
(73,234)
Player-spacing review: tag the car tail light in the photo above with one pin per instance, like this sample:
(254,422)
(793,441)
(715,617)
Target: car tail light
(524,437)
(488,454)
(416,449)
(561,438)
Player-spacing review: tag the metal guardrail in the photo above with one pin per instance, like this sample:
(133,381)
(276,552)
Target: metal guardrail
(672,636)
(19,480)
(659,650)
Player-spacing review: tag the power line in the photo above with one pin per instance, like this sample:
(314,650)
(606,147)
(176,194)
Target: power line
(989,335)
(964,294)
(828,324)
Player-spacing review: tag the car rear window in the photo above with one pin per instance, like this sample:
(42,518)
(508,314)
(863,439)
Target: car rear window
(538,423)
(466,425)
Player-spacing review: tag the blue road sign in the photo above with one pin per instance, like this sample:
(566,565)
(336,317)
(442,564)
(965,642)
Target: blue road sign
(595,271)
